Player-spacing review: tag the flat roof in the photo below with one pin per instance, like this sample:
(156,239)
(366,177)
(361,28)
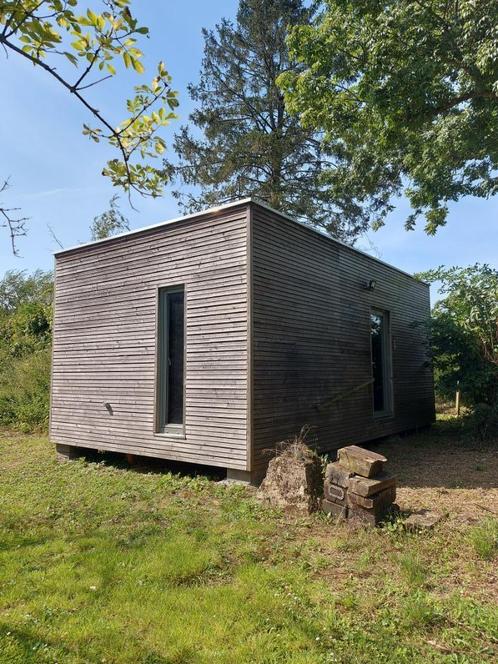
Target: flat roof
(227,206)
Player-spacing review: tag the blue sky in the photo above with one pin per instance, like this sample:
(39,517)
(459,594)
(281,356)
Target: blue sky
(55,171)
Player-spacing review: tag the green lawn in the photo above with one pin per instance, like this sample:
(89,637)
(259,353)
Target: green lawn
(99,563)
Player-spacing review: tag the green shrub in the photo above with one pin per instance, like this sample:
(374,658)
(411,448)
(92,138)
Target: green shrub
(464,333)
(24,391)
(485,421)
(25,338)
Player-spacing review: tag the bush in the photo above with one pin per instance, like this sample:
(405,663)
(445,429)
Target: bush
(464,339)
(485,421)
(24,392)
(25,338)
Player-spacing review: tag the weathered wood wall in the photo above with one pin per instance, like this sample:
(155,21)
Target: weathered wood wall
(311,339)
(105,340)
(277,337)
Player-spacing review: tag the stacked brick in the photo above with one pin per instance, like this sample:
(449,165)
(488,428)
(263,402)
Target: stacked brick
(356,486)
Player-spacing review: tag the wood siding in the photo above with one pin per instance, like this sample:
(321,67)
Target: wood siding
(311,340)
(277,337)
(105,340)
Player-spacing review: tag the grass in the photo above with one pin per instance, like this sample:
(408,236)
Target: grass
(102,564)
(484,539)
(413,569)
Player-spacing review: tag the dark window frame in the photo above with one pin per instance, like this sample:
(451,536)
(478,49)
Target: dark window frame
(163,426)
(387,364)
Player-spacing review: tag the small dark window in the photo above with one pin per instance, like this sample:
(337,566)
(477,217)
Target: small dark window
(171,359)
(381,361)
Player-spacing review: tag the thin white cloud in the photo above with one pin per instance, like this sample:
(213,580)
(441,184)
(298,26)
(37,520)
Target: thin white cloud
(55,192)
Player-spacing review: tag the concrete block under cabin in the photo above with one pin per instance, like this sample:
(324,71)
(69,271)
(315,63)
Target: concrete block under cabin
(208,338)
(365,494)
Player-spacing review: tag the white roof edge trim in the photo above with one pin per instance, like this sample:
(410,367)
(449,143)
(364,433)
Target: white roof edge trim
(217,208)
(227,206)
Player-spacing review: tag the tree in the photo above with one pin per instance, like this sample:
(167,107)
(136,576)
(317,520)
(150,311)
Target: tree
(17,289)
(247,143)
(25,311)
(55,37)
(407,91)
(110,222)
(25,340)
(464,333)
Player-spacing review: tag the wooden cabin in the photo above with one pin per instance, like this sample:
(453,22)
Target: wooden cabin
(212,337)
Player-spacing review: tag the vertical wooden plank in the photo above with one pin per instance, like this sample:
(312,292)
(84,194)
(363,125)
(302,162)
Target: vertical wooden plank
(250,335)
(52,351)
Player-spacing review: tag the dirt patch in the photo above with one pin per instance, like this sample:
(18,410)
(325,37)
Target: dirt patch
(294,479)
(445,471)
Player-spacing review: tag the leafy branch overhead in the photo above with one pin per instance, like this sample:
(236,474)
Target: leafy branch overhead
(53,35)
(407,92)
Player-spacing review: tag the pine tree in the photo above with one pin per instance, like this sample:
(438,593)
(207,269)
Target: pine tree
(245,142)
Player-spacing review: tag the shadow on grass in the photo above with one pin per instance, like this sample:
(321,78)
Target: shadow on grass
(27,646)
(143,464)
(447,455)
(22,542)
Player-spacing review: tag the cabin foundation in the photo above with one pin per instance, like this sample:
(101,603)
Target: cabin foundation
(68,452)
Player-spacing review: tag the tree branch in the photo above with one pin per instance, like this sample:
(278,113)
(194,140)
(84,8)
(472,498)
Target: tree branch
(54,236)
(15,225)
(113,133)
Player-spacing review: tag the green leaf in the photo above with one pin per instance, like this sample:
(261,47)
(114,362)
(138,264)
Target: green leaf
(92,16)
(72,58)
(138,66)
(79,45)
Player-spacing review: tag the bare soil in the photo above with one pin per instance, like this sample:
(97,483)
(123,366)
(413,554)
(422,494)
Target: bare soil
(445,469)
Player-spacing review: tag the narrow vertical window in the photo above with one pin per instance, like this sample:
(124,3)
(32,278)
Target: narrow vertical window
(171,349)
(381,362)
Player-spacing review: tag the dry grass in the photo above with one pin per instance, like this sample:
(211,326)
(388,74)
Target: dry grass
(296,448)
(445,469)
